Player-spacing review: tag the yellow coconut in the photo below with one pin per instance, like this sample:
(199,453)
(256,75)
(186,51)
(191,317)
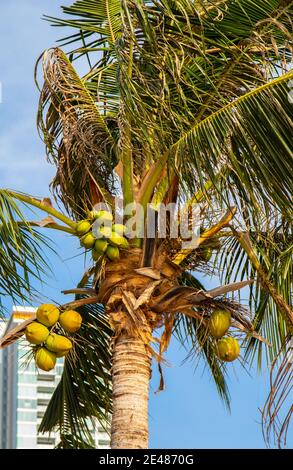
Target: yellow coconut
(48,314)
(104,215)
(70,320)
(58,344)
(219,323)
(83,227)
(88,240)
(119,228)
(101,245)
(227,349)
(92,215)
(113,253)
(61,354)
(36,333)
(105,231)
(116,240)
(45,360)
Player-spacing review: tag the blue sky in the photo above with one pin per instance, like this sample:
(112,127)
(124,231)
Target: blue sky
(189,414)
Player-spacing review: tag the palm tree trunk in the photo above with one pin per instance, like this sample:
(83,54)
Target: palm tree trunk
(130,374)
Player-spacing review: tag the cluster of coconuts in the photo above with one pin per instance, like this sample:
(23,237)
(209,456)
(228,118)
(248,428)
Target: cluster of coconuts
(227,348)
(111,239)
(49,345)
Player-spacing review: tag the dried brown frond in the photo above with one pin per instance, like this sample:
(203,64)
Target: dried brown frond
(77,138)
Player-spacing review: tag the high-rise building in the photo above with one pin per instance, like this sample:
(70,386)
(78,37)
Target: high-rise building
(25,393)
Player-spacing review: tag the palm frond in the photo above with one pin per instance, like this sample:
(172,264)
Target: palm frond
(77,137)
(192,334)
(274,249)
(21,248)
(93,22)
(260,124)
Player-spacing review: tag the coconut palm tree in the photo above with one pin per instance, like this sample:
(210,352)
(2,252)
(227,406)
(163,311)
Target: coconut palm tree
(177,102)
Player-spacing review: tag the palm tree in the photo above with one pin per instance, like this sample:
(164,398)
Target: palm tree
(184,102)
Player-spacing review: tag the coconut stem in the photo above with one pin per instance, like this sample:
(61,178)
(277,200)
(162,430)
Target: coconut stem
(44,207)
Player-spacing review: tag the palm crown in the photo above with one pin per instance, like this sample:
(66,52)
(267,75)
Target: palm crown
(184,102)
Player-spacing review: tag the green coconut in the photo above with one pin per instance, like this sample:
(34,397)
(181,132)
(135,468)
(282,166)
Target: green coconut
(93,215)
(119,228)
(58,343)
(88,241)
(71,321)
(45,360)
(104,216)
(83,227)
(48,314)
(101,246)
(219,323)
(113,253)
(227,349)
(116,240)
(105,231)
(36,333)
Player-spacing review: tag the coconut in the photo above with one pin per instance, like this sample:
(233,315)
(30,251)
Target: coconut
(70,320)
(219,323)
(61,354)
(48,314)
(45,360)
(58,344)
(227,349)
(105,231)
(116,240)
(36,333)
(83,227)
(88,240)
(104,215)
(113,253)
(119,228)
(92,215)
(101,246)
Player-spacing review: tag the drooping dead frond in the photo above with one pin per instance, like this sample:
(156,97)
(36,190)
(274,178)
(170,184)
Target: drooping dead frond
(77,137)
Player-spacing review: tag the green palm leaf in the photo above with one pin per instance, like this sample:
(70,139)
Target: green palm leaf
(21,247)
(192,334)
(260,124)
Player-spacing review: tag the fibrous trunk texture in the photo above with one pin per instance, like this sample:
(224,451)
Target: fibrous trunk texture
(130,374)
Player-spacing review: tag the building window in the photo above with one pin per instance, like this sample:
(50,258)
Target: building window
(26,442)
(23,403)
(42,402)
(46,441)
(26,415)
(26,378)
(49,390)
(104,443)
(46,377)
(29,391)
(26,429)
